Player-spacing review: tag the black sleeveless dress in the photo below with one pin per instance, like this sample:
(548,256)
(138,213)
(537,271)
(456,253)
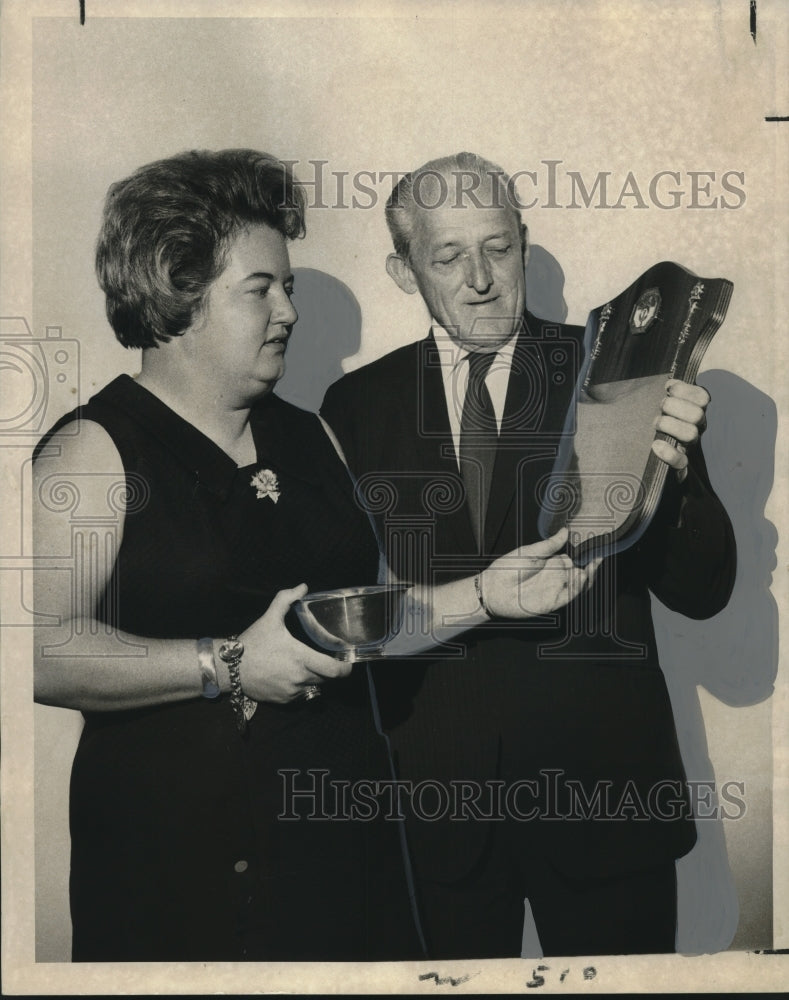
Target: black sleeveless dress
(177,849)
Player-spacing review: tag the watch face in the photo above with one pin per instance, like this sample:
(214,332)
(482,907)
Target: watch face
(232,649)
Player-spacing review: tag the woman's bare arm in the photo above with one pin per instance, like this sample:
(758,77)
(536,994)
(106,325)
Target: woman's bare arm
(80,662)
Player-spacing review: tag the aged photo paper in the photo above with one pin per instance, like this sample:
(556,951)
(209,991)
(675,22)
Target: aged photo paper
(639,131)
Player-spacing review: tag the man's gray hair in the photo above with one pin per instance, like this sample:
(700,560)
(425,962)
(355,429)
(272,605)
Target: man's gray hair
(448,180)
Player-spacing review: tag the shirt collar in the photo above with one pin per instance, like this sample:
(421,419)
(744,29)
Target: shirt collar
(451,354)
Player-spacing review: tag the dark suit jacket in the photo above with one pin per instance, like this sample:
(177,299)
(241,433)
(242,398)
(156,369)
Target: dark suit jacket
(574,697)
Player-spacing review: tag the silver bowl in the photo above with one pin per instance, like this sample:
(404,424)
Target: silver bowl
(353,623)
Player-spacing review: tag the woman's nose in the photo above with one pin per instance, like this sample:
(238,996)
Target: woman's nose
(286,312)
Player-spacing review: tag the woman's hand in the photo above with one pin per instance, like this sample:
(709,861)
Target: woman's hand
(534,579)
(277,667)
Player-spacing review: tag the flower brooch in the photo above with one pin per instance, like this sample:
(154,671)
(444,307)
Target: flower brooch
(266,484)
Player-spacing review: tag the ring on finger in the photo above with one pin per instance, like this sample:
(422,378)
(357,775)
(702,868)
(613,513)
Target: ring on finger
(311,691)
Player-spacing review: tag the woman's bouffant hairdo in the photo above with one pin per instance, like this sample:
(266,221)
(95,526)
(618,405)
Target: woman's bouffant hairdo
(167,228)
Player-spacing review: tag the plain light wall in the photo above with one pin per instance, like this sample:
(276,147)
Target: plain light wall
(621,87)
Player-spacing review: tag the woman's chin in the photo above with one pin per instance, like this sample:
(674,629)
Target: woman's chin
(267,379)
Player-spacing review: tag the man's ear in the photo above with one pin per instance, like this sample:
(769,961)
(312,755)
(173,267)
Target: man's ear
(525,245)
(401,274)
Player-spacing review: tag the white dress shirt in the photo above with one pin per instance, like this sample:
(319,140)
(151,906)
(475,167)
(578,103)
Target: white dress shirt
(454,374)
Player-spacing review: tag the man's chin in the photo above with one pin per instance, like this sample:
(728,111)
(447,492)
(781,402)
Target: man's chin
(488,335)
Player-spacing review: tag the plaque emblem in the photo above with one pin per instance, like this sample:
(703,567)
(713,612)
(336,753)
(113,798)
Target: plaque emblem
(645,311)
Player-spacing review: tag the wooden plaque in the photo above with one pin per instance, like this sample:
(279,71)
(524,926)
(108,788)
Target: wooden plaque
(606,482)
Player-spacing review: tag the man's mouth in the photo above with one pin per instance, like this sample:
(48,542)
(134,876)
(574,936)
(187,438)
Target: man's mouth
(483,302)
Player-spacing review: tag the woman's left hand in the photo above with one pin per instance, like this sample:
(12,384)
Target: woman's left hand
(276,667)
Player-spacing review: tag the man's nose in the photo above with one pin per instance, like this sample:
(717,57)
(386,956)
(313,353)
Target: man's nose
(477,272)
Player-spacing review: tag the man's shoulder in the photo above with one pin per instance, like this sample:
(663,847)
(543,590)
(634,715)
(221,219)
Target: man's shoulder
(536,327)
(378,374)
(363,406)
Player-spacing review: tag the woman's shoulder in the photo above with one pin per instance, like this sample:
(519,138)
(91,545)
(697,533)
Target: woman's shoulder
(77,472)
(108,424)
(89,423)
(76,455)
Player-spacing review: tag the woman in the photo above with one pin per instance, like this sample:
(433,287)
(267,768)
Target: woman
(205,715)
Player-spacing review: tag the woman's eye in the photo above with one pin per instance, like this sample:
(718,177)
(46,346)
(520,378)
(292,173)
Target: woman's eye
(260,292)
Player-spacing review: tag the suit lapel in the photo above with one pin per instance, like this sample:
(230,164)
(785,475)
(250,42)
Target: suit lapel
(437,451)
(544,367)
(542,378)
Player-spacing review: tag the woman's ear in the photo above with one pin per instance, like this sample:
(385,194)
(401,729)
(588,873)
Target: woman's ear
(401,274)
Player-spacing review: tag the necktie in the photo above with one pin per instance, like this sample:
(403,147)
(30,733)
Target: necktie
(478,440)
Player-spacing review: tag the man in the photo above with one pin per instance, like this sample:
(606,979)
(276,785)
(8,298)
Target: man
(556,731)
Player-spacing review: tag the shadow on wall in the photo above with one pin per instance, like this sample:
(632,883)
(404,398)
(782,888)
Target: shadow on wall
(545,285)
(734,656)
(329,330)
